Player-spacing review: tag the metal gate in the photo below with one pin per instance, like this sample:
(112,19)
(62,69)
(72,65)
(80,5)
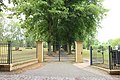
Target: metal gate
(58,53)
(97,55)
(106,58)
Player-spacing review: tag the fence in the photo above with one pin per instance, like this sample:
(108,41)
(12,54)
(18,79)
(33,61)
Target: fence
(114,57)
(5,53)
(106,58)
(10,55)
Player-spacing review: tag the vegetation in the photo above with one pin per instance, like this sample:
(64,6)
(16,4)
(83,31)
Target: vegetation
(18,56)
(115,42)
(10,28)
(86,53)
(60,21)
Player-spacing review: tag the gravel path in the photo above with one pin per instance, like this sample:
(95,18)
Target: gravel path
(60,71)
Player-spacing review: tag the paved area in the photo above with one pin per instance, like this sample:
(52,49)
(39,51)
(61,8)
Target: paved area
(61,71)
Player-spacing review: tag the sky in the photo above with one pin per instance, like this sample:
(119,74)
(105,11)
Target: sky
(111,23)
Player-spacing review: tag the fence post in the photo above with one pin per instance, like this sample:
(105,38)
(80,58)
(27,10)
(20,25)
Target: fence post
(103,54)
(109,48)
(9,52)
(91,55)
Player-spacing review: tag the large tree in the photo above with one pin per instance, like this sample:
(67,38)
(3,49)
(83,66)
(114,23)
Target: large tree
(41,17)
(62,21)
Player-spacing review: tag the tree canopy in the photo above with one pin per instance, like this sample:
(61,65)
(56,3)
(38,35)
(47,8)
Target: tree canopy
(60,20)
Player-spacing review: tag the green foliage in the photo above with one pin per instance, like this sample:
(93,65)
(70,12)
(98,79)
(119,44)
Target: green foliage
(91,41)
(116,42)
(60,20)
(86,54)
(1,25)
(10,30)
(29,40)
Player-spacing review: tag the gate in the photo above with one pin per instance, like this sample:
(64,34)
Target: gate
(115,59)
(57,52)
(99,56)
(106,58)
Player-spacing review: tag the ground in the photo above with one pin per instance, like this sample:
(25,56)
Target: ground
(59,71)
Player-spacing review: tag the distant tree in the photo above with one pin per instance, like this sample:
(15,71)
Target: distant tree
(109,41)
(116,42)
(1,26)
(29,40)
(91,41)
(12,32)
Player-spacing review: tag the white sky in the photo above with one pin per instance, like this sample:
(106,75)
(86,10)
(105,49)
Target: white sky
(111,23)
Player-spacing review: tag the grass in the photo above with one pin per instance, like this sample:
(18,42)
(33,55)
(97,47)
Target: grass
(98,56)
(26,54)
(21,55)
(24,51)
(86,53)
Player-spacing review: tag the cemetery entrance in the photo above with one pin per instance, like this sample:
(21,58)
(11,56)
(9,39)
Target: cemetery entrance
(58,52)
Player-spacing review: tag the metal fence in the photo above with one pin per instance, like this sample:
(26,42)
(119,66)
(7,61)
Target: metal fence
(114,57)
(106,58)
(9,55)
(5,53)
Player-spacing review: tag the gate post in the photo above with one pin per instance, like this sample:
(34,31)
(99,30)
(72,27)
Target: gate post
(9,61)
(109,48)
(91,55)
(79,48)
(40,51)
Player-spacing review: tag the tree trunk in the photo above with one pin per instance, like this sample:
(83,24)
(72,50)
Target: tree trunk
(57,47)
(69,48)
(74,45)
(54,47)
(49,48)
(65,47)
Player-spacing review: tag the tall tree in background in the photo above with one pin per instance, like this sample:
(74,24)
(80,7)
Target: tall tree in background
(83,19)
(1,26)
(63,21)
(115,42)
(41,17)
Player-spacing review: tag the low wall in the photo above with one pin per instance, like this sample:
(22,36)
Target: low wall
(15,66)
(5,67)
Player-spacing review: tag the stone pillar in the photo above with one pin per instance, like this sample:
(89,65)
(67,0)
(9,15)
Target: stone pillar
(79,49)
(40,51)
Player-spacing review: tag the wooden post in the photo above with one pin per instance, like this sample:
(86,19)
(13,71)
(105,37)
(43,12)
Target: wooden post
(40,51)
(79,49)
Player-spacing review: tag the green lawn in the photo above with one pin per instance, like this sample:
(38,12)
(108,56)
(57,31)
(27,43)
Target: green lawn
(25,54)
(22,50)
(96,55)
(17,56)
(86,53)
